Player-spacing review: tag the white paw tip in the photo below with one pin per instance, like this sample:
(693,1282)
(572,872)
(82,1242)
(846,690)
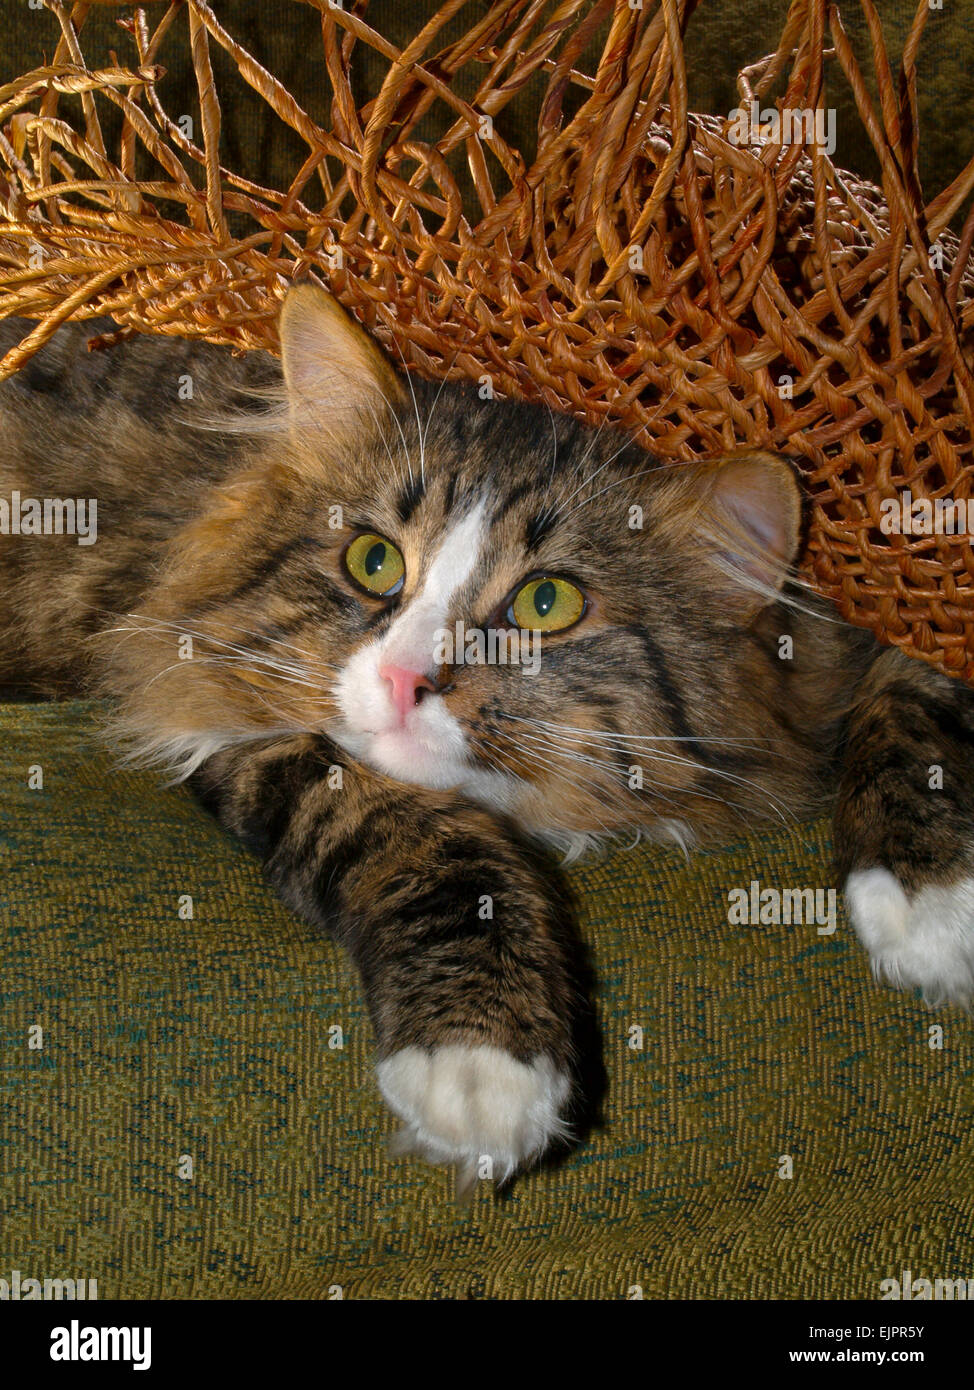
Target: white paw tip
(476,1107)
(879,908)
(921,941)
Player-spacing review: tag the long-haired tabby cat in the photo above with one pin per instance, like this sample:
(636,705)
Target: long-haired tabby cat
(266,604)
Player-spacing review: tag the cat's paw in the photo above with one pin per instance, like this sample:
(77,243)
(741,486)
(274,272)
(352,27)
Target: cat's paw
(922,940)
(465,1105)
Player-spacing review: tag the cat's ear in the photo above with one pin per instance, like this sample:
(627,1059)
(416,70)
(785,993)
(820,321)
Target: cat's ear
(333,371)
(751,524)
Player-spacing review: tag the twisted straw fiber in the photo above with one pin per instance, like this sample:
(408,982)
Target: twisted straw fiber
(470,257)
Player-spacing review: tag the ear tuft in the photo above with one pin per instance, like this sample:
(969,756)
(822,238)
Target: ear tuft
(333,370)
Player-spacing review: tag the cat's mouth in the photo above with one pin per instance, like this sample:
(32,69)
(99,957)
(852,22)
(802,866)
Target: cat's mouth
(408,752)
(424,744)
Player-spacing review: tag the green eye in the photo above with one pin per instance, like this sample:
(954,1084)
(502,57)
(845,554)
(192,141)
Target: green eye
(547,605)
(375,564)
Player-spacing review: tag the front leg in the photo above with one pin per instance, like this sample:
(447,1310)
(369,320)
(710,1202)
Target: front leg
(465,962)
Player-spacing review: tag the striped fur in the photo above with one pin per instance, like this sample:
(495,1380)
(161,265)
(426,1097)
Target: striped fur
(703,692)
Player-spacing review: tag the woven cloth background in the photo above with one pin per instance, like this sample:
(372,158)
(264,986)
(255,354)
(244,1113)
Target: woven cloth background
(210,1037)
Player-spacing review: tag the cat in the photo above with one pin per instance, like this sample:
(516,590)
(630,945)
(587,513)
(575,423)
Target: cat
(278,564)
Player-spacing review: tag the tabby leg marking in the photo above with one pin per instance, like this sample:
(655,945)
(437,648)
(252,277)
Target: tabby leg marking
(923,940)
(462,1104)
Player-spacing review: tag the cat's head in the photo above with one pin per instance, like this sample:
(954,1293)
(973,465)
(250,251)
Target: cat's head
(471,593)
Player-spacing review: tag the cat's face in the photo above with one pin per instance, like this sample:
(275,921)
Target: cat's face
(475,594)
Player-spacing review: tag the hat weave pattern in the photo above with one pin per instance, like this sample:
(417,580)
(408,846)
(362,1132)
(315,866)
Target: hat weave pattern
(709,282)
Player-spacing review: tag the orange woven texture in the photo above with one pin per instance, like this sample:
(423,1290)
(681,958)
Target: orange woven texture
(640,263)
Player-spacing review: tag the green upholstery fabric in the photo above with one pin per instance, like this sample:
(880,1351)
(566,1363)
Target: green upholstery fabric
(210,1038)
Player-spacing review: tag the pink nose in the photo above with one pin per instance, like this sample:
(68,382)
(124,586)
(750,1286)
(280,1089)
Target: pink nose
(408,687)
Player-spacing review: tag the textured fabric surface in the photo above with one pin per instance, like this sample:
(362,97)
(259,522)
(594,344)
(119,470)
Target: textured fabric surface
(214,1038)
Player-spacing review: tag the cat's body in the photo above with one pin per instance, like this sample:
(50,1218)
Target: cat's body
(682,687)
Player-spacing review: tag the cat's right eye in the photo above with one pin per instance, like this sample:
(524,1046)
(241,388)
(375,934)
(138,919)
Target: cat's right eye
(375,565)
